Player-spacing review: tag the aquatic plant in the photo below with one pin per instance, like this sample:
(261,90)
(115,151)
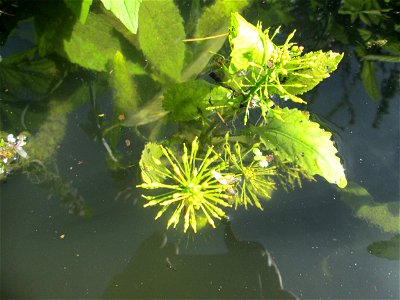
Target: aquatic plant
(281,147)
(190,184)
(10,149)
(253,172)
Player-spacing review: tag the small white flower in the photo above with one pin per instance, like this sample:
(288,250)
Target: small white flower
(264,163)
(11,138)
(5,160)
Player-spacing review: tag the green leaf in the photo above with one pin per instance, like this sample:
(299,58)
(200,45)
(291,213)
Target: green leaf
(125,96)
(151,171)
(187,100)
(381,214)
(369,80)
(25,79)
(313,68)
(213,21)
(94,44)
(386,249)
(127,11)
(293,137)
(215,18)
(80,8)
(160,36)
(249,44)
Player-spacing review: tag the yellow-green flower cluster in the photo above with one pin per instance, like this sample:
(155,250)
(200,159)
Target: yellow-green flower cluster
(255,172)
(188,185)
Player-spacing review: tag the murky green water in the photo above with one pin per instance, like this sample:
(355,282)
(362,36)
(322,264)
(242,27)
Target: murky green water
(73,224)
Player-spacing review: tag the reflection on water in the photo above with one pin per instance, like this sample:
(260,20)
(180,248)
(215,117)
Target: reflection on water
(246,270)
(84,147)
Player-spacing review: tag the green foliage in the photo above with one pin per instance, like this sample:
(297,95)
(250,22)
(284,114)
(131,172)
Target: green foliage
(259,69)
(160,35)
(283,147)
(293,137)
(213,21)
(125,96)
(127,11)
(188,183)
(93,45)
(80,8)
(369,80)
(384,215)
(27,79)
(254,174)
(386,249)
(249,44)
(186,100)
(305,72)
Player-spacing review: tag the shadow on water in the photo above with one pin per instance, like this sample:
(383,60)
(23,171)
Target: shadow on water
(246,270)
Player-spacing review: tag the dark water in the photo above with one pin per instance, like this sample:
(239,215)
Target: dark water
(307,243)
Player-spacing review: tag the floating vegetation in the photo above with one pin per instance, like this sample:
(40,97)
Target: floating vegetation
(241,166)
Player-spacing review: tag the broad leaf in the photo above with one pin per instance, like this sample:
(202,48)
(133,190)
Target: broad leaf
(94,44)
(27,79)
(187,100)
(160,36)
(80,8)
(249,44)
(125,97)
(293,137)
(369,80)
(313,67)
(127,11)
(384,215)
(149,164)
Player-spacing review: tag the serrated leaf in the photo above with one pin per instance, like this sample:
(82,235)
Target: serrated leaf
(94,44)
(150,169)
(384,215)
(127,11)
(186,100)
(160,36)
(80,8)
(369,80)
(249,44)
(313,68)
(297,139)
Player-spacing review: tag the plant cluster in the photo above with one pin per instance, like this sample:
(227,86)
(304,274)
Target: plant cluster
(10,149)
(279,146)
